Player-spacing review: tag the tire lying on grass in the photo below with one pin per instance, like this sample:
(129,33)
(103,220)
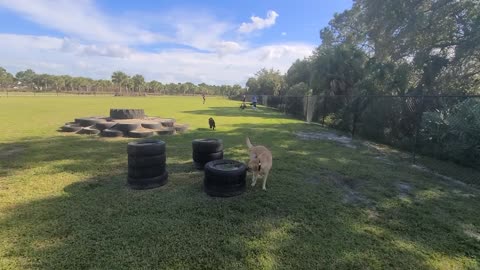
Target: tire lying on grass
(168,122)
(146,172)
(225,178)
(148,183)
(111,133)
(207,145)
(146,148)
(127,127)
(180,128)
(88,121)
(89,131)
(206,157)
(104,125)
(146,161)
(166,131)
(141,133)
(152,125)
(70,128)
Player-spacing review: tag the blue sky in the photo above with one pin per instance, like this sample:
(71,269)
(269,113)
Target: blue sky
(170,41)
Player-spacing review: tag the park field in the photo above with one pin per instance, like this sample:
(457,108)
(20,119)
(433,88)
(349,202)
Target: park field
(64,203)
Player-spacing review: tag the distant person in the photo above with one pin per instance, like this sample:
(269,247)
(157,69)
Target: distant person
(254,102)
(203,96)
(244,98)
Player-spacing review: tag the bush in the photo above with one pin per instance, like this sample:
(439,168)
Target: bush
(454,133)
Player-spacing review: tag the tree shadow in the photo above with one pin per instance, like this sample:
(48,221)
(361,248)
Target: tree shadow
(98,222)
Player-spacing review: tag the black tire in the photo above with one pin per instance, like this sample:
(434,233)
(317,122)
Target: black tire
(225,183)
(89,131)
(70,128)
(167,122)
(166,131)
(148,183)
(206,157)
(207,145)
(127,113)
(141,133)
(152,125)
(104,125)
(111,133)
(180,128)
(88,121)
(149,161)
(146,148)
(147,172)
(127,127)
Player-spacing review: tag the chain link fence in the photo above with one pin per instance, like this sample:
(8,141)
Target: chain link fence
(443,127)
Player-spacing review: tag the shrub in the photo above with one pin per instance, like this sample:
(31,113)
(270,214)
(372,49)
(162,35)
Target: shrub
(453,133)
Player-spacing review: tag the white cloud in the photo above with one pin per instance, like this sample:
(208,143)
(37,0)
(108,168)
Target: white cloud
(96,44)
(259,23)
(284,33)
(81,19)
(49,55)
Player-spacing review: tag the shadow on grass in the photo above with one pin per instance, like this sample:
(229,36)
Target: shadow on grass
(99,223)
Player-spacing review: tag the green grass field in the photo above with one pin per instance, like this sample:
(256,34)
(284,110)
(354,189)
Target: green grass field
(64,203)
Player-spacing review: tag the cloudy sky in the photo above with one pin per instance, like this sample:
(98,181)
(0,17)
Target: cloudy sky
(211,41)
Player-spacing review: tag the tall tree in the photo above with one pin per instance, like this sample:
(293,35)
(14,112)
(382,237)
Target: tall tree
(120,79)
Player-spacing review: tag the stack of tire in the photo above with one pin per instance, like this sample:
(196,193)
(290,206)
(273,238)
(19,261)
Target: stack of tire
(225,178)
(206,150)
(147,164)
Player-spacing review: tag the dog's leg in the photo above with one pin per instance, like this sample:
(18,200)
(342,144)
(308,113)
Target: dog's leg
(254,180)
(264,186)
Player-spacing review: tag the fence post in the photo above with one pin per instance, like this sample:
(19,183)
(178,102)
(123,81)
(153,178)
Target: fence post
(324,110)
(306,113)
(417,129)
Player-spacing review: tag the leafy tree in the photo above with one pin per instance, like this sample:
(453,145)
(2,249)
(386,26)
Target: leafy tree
(138,82)
(6,79)
(266,82)
(120,79)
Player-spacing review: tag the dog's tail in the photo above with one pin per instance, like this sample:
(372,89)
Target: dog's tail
(249,144)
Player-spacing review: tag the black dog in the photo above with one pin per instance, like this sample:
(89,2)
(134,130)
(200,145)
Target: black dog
(211,122)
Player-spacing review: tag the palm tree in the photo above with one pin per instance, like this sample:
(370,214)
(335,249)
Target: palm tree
(120,79)
(138,82)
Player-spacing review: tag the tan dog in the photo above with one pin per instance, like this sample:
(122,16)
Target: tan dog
(260,163)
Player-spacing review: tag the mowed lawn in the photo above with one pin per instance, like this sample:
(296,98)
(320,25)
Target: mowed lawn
(64,203)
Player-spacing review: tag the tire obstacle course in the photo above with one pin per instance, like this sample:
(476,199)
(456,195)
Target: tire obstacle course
(222,178)
(131,123)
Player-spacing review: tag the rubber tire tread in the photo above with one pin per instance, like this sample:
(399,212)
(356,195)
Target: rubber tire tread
(126,127)
(208,145)
(146,148)
(149,161)
(141,134)
(104,125)
(148,183)
(111,133)
(152,125)
(147,172)
(206,157)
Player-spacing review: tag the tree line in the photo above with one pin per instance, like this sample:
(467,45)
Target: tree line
(411,51)
(388,47)
(120,83)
